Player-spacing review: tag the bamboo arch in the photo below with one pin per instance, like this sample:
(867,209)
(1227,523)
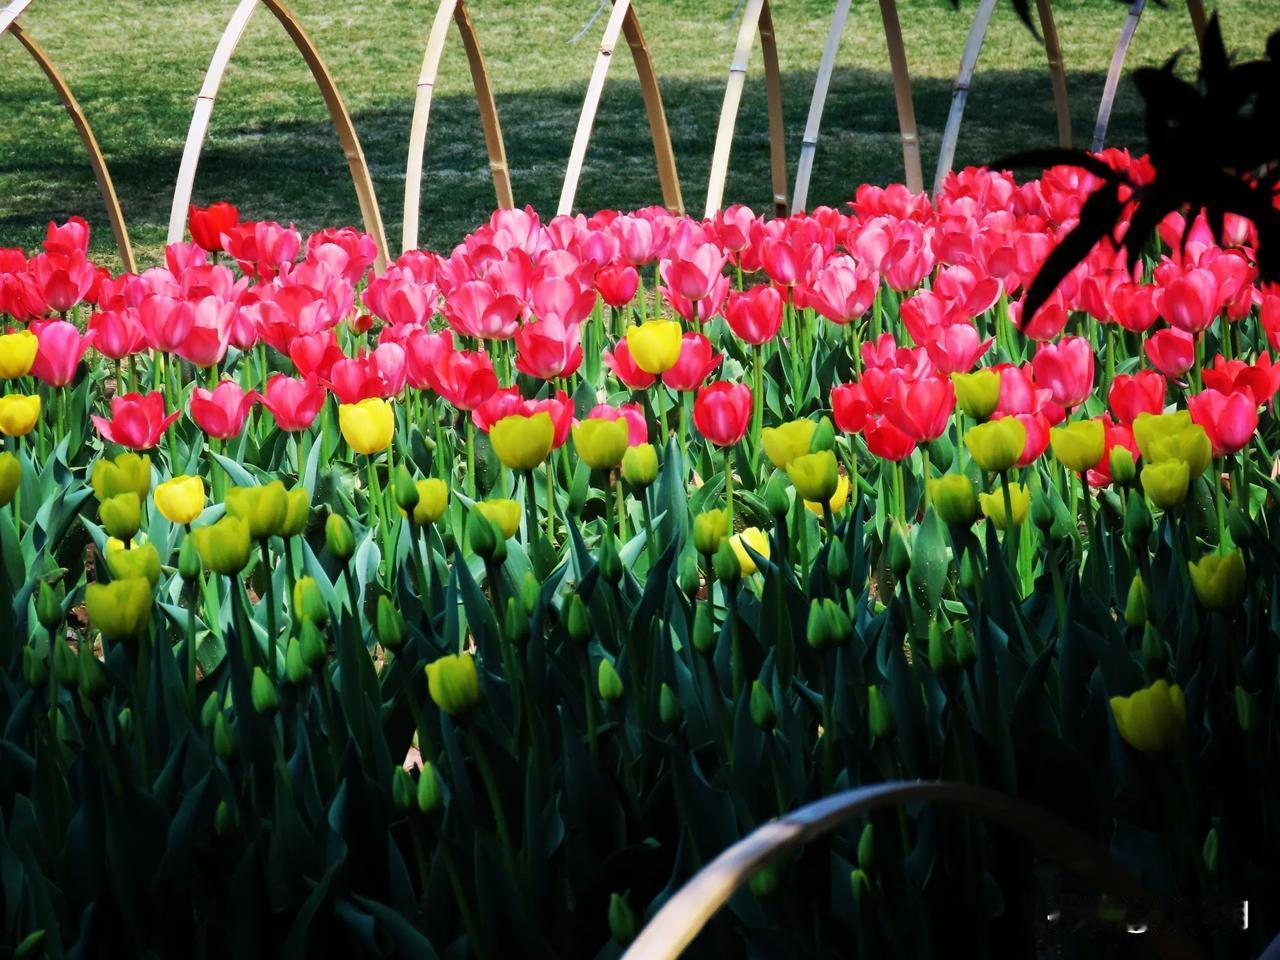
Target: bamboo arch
(8,23)
(623,19)
(902,95)
(333,100)
(756,16)
(969,61)
(455,10)
(1198,23)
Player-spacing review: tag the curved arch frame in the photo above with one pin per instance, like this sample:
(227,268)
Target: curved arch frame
(455,10)
(1109,89)
(969,62)
(680,919)
(913,173)
(756,16)
(338,113)
(106,186)
(623,19)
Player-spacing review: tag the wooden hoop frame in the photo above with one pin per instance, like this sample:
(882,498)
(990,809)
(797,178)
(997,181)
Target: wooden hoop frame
(338,113)
(914,174)
(455,10)
(756,16)
(1198,22)
(623,19)
(106,186)
(680,919)
(969,62)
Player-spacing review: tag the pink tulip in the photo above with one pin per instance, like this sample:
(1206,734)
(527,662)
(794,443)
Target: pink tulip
(1171,351)
(693,276)
(1229,419)
(957,347)
(353,379)
(1116,435)
(1066,368)
(464,378)
(850,407)
(64,279)
(722,411)
(1190,302)
(698,360)
(137,421)
(475,310)
(316,354)
(166,322)
(422,349)
(295,403)
(67,238)
(349,252)
(755,315)
(922,408)
(549,348)
(843,290)
(619,360)
(206,341)
(60,348)
(222,411)
(117,333)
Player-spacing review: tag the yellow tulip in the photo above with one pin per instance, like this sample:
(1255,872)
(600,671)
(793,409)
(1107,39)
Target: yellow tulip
(753,537)
(640,465)
(977,393)
(1166,482)
(140,560)
(814,475)
(655,345)
(1219,580)
(17,354)
(127,473)
(224,546)
(433,498)
(263,508)
(837,501)
(993,505)
(709,528)
(367,426)
(453,683)
(1078,446)
(784,443)
(10,477)
(1151,720)
(119,610)
(521,442)
(997,445)
(600,442)
(1172,436)
(503,514)
(955,500)
(18,414)
(181,499)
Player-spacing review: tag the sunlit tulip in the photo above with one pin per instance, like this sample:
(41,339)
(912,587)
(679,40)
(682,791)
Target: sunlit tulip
(617,283)
(294,403)
(956,347)
(600,442)
(367,426)
(127,473)
(709,528)
(1189,302)
(977,393)
(814,475)
(655,345)
(10,478)
(843,290)
(1170,351)
(1172,436)
(139,560)
(522,442)
(264,508)
(996,445)
(464,378)
(754,538)
(640,465)
(887,441)
(17,354)
(785,442)
(850,407)
(1132,394)
(224,546)
(207,224)
(623,365)
(693,275)
(137,421)
(181,499)
(632,413)
(19,414)
(64,279)
(117,333)
(1066,368)
(1079,445)
(503,514)
(222,411)
(755,315)
(433,498)
(993,505)
(922,408)
(722,412)
(698,360)
(548,349)
(67,238)
(836,501)
(1229,419)
(1151,720)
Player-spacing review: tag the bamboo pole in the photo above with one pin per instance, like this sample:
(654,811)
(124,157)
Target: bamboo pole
(455,10)
(902,95)
(338,113)
(687,911)
(1199,20)
(968,61)
(755,17)
(821,88)
(1057,70)
(110,200)
(1112,83)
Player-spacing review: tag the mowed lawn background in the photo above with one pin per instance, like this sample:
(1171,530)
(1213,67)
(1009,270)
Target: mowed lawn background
(136,66)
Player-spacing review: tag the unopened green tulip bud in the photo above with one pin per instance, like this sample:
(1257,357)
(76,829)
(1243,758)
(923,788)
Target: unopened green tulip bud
(838,622)
(1137,522)
(295,668)
(955,499)
(264,508)
(34,670)
(49,605)
(879,717)
(209,712)
(1137,603)
(91,675)
(1042,512)
(817,631)
(867,847)
(338,538)
(1154,652)
(189,565)
(709,528)
(121,515)
(263,693)
(10,478)
(962,643)
(899,554)
(608,683)
(763,714)
(764,882)
(530,593)
(401,790)
(861,884)
(405,489)
(1248,713)
(608,559)
(124,720)
(669,709)
(308,602)
(640,465)
(224,546)
(704,630)
(66,669)
(225,742)
(297,512)
(1209,852)
(622,922)
(688,577)
(454,683)
(824,436)
(1240,525)
(837,561)
(516,623)
(482,535)
(776,498)
(430,790)
(577,619)
(314,649)
(725,563)
(942,658)
(224,822)
(1123,469)
(971,573)
(389,624)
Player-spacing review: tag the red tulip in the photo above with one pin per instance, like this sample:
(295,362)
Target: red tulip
(64,279)
(755,315)
(1130,395)
(624,367)
(698,360)
(1133,306)
(208,224)
(352,379)
(637,426)
(1189,302)
(137,420)
(1171,351)
(843,290)
(617,283)
(1117,435)
(67,238)
(1261,378)
(781,260)
(560,409)
(548,348)
(698,311)
(117,333)
(465,378)
(1229,419)
(887,441)
(262,248)
(1037,427)
(1048,321)
(922,408)
(21,297)
(955,348)
(295,403)
(1066,368)
(60,348)
(849,407)
(422,349)
(721,412)
(222,411)
(315,354)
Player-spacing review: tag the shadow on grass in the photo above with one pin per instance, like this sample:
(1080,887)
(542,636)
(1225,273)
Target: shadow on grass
(294,171)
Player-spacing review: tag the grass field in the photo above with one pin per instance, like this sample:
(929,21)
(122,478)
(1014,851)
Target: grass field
(136,66)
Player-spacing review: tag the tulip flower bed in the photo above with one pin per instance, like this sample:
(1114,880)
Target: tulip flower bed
(484,600)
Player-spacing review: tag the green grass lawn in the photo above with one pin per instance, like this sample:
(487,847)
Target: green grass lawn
(136,66)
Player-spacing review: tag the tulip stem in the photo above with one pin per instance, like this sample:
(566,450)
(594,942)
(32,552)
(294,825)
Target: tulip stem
(728,488)
(491,788)
(531,507)
(551,498)
(375,507)
(1220,502)
(1088,504)
(621,507)
(1010,530)
(471,458)
(757,410)
(650,549)
(271,610)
